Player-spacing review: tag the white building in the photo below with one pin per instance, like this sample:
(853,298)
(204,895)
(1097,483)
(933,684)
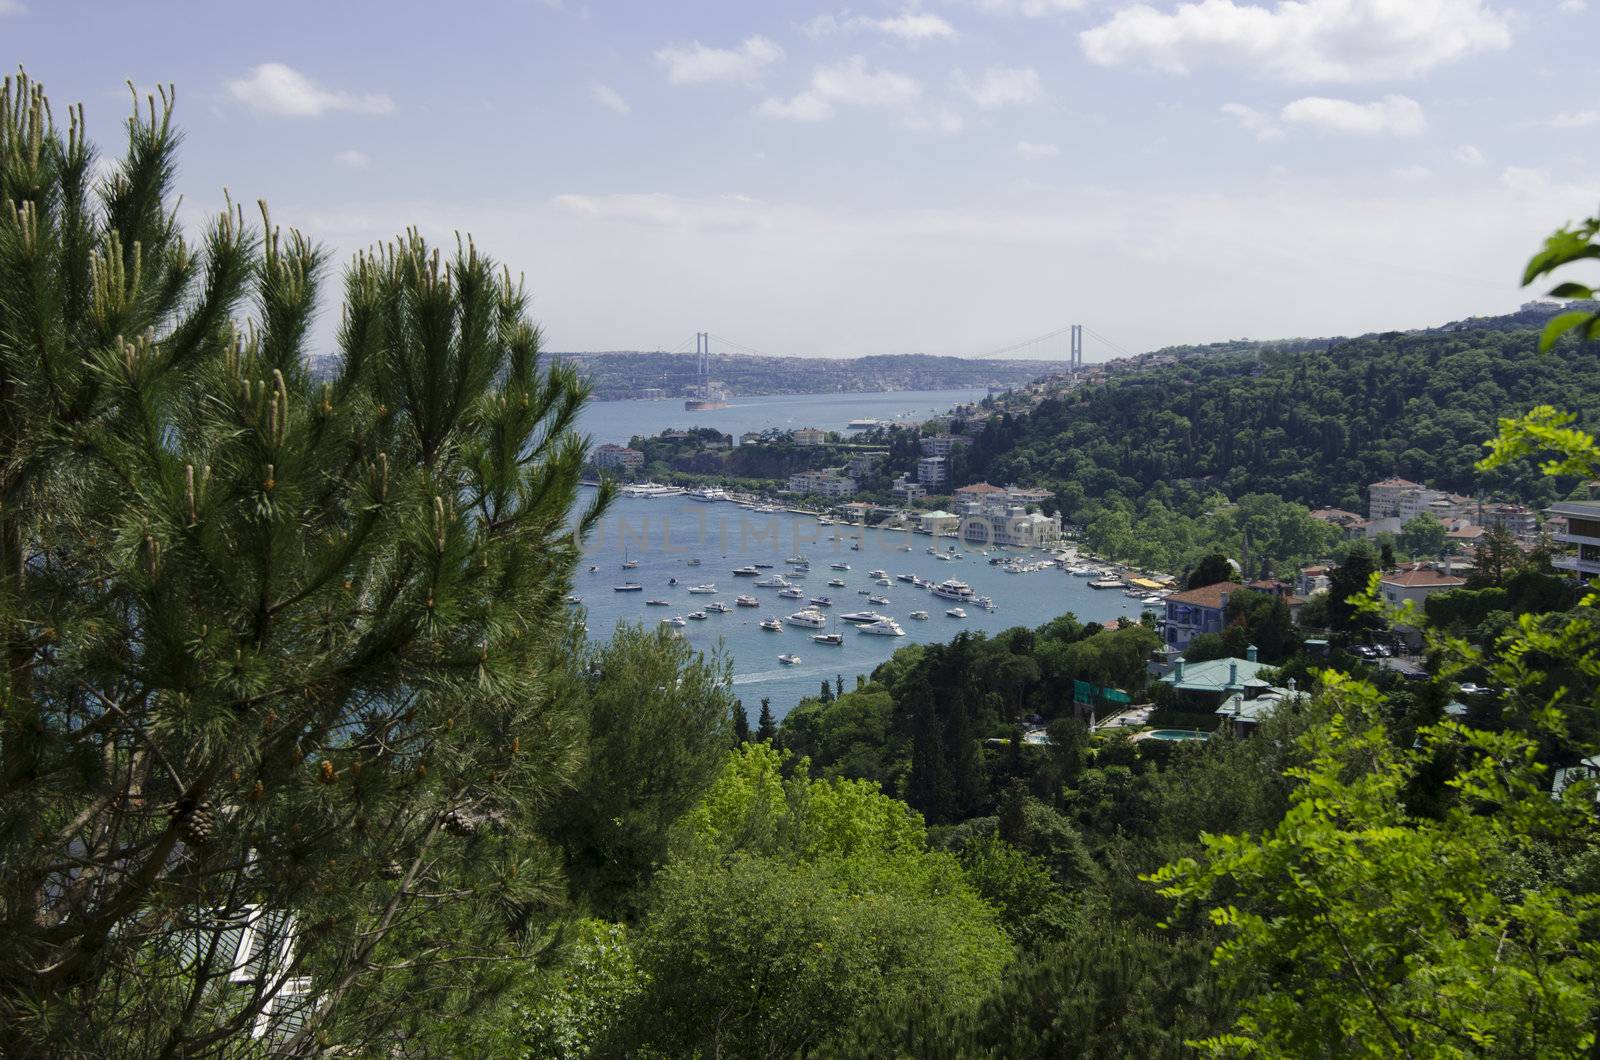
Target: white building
(1578,524)
(1415,585)
(808,436)
(1011,525)
(933,472)
(911,491)
(942,444)
(618,458)
(939,523)
(824,483)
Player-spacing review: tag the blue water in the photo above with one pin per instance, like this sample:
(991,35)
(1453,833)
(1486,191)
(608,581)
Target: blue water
(617,421)
(663,534)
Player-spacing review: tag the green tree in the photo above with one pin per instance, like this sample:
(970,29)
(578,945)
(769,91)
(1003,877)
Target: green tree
(1211,569)
(1495,559)
(1350,579)
(275,647)
(766,727)
(658,729)
(1423,536)
(741,723)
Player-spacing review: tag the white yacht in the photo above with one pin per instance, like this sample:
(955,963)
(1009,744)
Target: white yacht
(822,601)
(789,659)
(573,598)
(792,593)
(951,589)
(773,581)
(747,572)
(798,561)
(747,601)
(955,612)
(862,617)
(881,601)
(835,640)
(712,494)
(884,627)
(836,583)
(676,620)
(628,587)
(920,616)
(706,589)
(810,618)
(717,607)
(877,574)
(906,578)
(772,625)
(840,566)
(698,616)
(658,603)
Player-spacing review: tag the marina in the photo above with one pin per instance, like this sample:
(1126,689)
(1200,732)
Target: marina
(668,534)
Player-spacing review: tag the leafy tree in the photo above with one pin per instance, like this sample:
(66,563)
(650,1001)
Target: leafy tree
(1210,570)
(1423,536)
(658,729)
(1263,620)
(826,694)
(1495,559)
(275,648)
(1347,580)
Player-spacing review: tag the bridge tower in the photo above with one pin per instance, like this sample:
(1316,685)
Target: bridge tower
(1075,357)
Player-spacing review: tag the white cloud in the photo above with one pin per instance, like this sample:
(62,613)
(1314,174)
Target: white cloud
(1301,40)
(1525,180)
(1573,7)
(945,121)
(1469,155)
(848,84)
(1027,8)
(910,25)
(1572,119)
(1002,86)
(609,98)
(698,64)
(1390,116)
(1253,121)
(1033,152)
(1412,173)
(274,88)
(352,159)
(13,7)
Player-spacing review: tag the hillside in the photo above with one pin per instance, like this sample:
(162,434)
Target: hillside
(616,375)
(1312,424)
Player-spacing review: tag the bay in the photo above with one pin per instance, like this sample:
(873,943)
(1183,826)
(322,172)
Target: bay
(663,535)
(617,421)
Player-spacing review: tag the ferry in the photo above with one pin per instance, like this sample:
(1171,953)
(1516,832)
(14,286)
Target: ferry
(833,639)
(772,625)
(747,572)
(884,627)
(862,617)
(920,616)
(956,612)
(628,587)
(773,581)
(747,601)
(651,490)
(707,589)
(789,659)
(809,617)
(951,589)
(712,494)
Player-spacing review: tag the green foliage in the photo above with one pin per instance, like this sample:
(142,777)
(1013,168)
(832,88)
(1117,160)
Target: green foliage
(1212,568)
(271,644)
(658,729)
(1423,537)
(565,1012)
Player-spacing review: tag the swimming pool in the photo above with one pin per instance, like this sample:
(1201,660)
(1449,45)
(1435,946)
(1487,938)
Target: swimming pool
(1177,735)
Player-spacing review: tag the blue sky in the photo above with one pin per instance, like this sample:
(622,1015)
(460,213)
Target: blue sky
(948,176)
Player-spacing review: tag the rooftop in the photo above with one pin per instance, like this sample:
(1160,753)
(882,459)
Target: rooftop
(980,487)
(1426,576)
(1217,675)
(1206,595)
(1400,483)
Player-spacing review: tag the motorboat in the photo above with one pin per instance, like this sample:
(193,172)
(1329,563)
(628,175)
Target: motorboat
(629,564)
(955,612)
(883,581)
(573,598)
(836,583)
(877,574)
(694,561)
(747,601)
(717,607)
(832,639)
(984,602)
(789,659)
(884,627)
(593,568)
(704,590)
(881,601)
(676,620)
(658,603)
(773,581)
(772,625)
(951,589)
(798,574)
(863,592)
(810,618)
(792,593)
(855,547)
(698,616)
(628,587)
(840,566)
(822,601)
(1082,572)
(798,561)
(912,578)
(862,617)
(747,572)
(1111,582)
(920,616)
(759,566)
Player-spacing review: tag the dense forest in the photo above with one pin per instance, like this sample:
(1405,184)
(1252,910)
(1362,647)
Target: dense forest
(1310,425)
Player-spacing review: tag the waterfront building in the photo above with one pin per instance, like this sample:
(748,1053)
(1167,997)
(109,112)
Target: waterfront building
(905,488)
(826,482)
(938,523)
(611,457)
(808,436)
(1197,611)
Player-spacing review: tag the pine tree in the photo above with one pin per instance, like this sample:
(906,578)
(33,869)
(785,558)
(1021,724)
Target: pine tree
(826,694)
(274,645)
(838,684)
(741,724)
(766,727)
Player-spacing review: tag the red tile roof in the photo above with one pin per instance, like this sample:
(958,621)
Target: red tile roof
(1396,482)
(1206,595)
(1410,579)
(980,487)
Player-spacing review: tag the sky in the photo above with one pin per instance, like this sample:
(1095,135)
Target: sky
(942,176)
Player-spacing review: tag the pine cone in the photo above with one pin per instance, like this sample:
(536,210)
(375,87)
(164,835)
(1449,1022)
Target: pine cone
(196,822)
(458,823)
(392,871)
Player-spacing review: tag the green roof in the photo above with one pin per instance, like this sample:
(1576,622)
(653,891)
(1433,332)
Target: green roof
(1213,676)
